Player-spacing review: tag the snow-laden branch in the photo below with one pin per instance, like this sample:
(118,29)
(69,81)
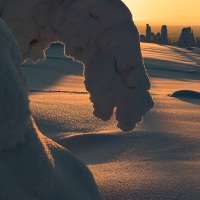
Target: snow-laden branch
(100,34)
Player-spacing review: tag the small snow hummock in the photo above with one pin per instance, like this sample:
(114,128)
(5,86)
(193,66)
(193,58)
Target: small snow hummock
(32,166)
(101,35)
(186,94)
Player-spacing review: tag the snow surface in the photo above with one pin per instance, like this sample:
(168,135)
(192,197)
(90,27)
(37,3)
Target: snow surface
(159,159)
(32,166)
(100,34)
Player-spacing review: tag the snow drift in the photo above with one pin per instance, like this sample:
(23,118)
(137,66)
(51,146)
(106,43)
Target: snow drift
(37,168)
(101,35)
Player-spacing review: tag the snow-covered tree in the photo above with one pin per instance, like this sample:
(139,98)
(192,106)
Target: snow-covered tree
(186,38)
(102,35)
(164,35)
(197,42)
(148,33)
(99,33)
(193,42)
(142,38)
(158,38)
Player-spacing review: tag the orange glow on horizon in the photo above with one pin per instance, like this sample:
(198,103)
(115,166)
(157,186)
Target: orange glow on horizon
(157,12)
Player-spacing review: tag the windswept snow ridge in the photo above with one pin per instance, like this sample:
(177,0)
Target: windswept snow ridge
(37,168)
(100,34)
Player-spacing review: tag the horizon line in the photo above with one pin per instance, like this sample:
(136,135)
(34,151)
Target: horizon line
(161,24)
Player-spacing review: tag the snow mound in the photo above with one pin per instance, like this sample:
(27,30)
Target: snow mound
(186,94)
(101,35)
(37,168)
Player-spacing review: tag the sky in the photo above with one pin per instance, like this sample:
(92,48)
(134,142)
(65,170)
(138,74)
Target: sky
(171,12)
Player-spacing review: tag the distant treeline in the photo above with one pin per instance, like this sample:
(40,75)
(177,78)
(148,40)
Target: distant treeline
(175,35)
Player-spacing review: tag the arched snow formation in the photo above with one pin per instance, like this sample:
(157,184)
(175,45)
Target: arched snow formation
(99,33)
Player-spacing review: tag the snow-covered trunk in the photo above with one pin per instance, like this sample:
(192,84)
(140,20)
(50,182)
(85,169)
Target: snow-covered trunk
(32,166)
(14,103)
(98,33)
